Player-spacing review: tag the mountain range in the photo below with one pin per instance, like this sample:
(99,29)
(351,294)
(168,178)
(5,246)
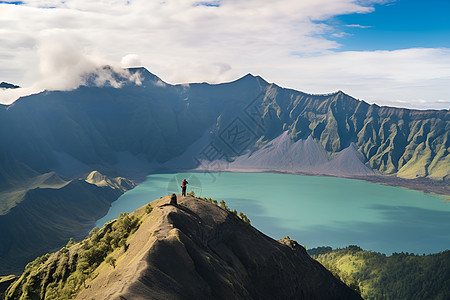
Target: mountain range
(95,127)
(51,142)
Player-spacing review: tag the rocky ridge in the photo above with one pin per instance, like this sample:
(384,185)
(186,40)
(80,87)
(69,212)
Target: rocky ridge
(194,250)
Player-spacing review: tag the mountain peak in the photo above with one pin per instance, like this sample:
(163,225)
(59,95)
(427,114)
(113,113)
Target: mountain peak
(250,76)
(108,76)
(146,75)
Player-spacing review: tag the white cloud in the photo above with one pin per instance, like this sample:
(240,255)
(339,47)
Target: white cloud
(415,78)
(182,42)
(358,26)
(130,60)
(64,58)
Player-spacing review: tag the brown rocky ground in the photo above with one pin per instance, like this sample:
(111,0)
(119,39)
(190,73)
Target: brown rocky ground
(197,250)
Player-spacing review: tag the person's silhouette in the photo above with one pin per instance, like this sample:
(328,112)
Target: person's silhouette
(183,187)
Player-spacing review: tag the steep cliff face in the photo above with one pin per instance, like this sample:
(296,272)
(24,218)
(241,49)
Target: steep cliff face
(195,250)
(409,143)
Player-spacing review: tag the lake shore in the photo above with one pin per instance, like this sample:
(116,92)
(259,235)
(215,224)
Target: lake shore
(419,184)
(425,185)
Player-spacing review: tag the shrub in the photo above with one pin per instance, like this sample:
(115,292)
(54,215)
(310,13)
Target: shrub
(148,208)
(244,218)
(112,261)
(71,241)
(223,205)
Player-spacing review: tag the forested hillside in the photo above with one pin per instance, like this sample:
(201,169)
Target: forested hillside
(399,276)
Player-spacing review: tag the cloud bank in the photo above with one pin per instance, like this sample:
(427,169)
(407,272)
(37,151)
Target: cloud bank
(52,44)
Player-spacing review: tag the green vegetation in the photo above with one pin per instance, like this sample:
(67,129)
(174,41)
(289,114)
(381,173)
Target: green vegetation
(5,281)
(148,208)
(111,260)
(61,275)
(209,200)
(244,218)
(400,276)
(224,206)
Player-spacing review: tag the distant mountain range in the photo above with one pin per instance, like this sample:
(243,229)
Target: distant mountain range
(147,125)
(99,127)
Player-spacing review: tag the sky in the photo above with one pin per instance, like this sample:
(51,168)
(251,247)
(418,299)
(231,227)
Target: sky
(388,52)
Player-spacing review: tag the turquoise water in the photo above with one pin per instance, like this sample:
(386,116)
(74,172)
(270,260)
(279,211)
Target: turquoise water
(314,210)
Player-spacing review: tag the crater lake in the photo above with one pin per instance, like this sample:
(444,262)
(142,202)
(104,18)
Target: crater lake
(314,210)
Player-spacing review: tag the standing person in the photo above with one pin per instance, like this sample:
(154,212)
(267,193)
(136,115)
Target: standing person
(183,187)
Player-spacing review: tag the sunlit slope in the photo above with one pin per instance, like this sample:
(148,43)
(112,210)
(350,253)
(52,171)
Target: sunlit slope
(195,250)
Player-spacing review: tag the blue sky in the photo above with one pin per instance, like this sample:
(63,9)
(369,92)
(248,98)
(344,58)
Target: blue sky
(385,52)
(396,25)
